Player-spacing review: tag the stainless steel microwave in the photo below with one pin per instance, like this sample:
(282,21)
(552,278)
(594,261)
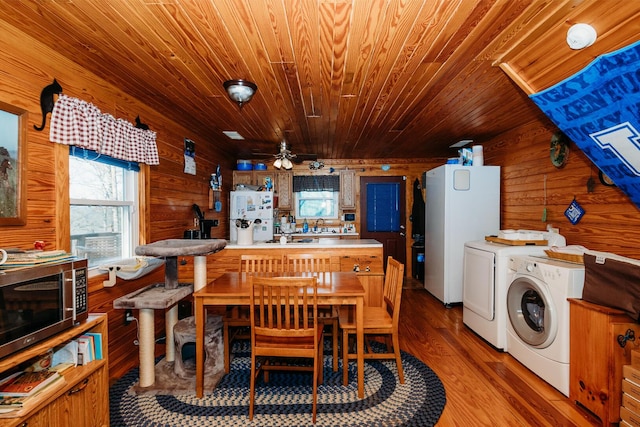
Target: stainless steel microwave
(40,301)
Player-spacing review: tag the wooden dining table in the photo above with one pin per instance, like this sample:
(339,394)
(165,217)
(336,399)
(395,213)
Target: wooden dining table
(232,288)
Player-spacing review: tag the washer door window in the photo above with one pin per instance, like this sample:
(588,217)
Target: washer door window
(531,312)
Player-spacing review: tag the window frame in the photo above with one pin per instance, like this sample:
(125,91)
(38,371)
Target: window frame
(335,201)
(132,191)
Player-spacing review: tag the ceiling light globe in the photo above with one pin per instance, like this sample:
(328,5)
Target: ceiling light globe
(277,164)
(580,36)
(240,91)
(287,164)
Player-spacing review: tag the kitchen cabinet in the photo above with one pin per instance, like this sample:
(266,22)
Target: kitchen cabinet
(365,263)
(82,399)
(344,255)
(282,184)
(243,177)
(348,189)
(596,359)
(284,187)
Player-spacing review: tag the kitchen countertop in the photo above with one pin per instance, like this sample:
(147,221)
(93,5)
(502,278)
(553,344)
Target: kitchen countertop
(316,243)
(323,234)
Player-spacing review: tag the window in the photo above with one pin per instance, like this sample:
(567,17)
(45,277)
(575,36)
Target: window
(316,204)
(316,196)
(104,206)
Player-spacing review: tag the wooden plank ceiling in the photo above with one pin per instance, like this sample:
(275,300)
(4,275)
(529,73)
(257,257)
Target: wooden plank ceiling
(346,79)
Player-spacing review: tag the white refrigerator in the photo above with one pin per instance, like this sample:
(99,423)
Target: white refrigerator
(251,205)
(462,203)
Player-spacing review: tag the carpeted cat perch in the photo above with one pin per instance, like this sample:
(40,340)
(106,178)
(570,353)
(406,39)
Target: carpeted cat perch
(166,295)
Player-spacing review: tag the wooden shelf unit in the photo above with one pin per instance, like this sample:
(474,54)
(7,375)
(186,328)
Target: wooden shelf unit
(596,359)
(82,400)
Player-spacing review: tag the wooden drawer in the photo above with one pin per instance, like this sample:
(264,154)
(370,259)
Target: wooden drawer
(362,263)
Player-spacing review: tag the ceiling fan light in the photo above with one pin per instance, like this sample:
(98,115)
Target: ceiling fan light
(287,163)
(240,91)
(277,164)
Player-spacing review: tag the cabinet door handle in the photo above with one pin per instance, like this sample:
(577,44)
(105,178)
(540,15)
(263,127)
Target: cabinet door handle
(79,388)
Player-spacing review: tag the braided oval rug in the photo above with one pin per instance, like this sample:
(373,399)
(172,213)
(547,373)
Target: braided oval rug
(286,399)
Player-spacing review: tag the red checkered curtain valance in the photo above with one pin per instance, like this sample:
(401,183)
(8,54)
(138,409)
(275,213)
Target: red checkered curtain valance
(80,123)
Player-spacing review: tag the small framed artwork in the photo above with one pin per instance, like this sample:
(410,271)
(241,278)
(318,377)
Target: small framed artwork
(13,198)
(189,156)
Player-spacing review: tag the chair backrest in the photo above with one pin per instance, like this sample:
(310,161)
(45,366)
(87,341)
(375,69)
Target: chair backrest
(261,264)
(283,307)
(392,292)
(316,263)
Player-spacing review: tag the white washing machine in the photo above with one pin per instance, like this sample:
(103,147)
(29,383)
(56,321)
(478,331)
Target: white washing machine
(486,277)
(538,311)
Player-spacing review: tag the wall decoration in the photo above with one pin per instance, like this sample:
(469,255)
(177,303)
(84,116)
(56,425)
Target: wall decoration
(189,156)
(597,108)
(13,168)
(574,212)
(47,102)
(559,151)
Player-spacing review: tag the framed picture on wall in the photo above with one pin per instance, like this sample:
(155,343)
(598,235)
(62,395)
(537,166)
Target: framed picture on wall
(13,167)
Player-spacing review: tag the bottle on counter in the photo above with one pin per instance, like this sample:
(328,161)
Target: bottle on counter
(305,226)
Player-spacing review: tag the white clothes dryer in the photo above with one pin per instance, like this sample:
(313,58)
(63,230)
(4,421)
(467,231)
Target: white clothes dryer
(486,277)
(538,311)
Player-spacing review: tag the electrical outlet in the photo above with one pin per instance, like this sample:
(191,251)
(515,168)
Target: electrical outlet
(128,317)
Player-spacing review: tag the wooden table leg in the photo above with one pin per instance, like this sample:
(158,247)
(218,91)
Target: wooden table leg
(200,325)
(360,344)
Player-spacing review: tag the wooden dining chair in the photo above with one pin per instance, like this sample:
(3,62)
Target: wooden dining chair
(284,325)
(236,320)
(328,315)
(377,321)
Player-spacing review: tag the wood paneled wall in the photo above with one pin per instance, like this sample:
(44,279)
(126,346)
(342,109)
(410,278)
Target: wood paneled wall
(530,182)
(26,66)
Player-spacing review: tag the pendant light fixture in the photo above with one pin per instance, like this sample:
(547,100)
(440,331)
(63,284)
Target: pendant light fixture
(240,91)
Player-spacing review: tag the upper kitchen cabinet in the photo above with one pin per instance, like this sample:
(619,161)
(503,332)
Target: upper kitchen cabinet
(284,186)
(348,189)
(281,180)
(243,177)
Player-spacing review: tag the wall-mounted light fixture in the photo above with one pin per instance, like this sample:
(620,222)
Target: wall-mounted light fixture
(240,91)
(580,36)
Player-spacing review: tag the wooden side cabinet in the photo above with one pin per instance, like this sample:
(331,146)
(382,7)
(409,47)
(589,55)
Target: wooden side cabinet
(83,399)
(348,189)
(284,186)
(596,359)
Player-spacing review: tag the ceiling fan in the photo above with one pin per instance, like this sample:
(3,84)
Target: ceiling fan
(285,158)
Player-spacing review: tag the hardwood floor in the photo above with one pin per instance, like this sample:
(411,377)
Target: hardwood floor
(484,387)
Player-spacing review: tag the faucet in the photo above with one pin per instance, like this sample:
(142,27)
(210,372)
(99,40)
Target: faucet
(315,228)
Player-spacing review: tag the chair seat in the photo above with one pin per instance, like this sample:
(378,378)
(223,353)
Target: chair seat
(374,318)
(271,342)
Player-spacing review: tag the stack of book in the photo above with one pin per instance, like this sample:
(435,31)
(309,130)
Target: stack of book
(80,351)
(35,257)
(18,388)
